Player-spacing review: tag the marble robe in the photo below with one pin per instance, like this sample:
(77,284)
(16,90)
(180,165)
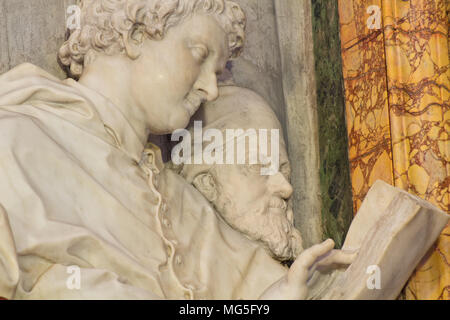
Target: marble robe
(76,189)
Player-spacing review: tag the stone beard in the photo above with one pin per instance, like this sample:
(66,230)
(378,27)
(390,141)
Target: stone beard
(272,229)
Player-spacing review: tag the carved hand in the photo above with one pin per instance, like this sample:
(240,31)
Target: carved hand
(321,257)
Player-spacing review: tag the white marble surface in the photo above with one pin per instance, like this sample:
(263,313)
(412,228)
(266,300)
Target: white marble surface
(33,31)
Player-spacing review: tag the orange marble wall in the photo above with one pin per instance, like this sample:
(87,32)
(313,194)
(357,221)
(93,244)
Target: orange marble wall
(416,42)
(398,116)
(364,70)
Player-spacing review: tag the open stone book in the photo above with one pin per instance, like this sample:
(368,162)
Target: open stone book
(393,230)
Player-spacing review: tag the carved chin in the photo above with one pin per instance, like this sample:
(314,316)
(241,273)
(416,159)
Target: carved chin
(178,120)
(275,232)
(271,228)
(281,249)
(278,235)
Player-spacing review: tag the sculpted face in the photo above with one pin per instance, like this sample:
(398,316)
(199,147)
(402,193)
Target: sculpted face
(175,75)
(255,204)
(258,205)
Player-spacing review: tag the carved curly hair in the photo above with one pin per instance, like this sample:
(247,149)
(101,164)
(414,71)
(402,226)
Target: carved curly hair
(106,23)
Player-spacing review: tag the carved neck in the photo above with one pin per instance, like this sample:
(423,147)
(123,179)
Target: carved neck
(110,77)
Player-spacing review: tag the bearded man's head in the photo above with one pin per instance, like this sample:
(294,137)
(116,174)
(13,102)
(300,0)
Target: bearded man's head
(252,197)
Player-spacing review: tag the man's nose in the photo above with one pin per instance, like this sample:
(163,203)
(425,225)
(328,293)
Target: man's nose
(280,186)
(207,83)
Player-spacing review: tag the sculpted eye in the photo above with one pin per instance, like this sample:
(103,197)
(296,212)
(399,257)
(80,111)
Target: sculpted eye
(200,52)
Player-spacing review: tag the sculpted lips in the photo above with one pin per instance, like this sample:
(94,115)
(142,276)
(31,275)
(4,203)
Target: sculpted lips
(193,101)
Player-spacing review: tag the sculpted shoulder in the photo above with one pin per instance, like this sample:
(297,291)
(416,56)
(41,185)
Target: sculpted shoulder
(32,98)
(12,128)
(24,90)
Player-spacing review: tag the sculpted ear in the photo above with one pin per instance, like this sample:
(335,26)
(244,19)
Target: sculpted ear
(206,184)
(133,40)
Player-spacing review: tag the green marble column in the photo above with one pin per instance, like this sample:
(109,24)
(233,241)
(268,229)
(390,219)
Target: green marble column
(335,183)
